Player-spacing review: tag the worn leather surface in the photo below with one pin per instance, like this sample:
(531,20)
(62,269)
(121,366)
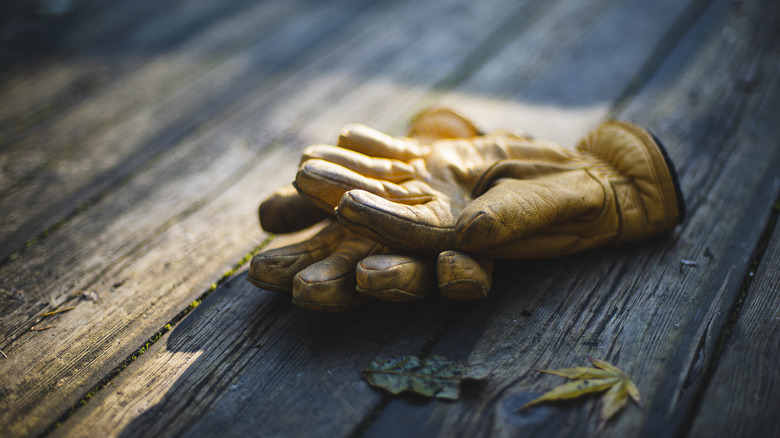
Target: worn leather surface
(496,195)
(338,269)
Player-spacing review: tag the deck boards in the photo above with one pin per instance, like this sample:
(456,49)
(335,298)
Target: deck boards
(145,425)
(742,397)
(638,306)
(173,243)
(147,164)
(73,159)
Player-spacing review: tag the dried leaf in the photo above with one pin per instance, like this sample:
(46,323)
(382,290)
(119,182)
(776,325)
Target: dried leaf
(606,366)
(580,373)
(605,377)
(633,392)
(613,401)
(575,389)
(431,377)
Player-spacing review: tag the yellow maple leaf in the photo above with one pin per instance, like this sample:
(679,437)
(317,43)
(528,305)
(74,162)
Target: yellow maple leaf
(605,377)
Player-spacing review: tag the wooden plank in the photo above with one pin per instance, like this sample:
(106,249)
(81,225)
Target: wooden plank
(637,306)
(53,62)
(742,397)
(264,120)
(267,367)
(263,396)
(561,100)
(144,206)
(81,154)
(175,226)
(31,56)
(58,65)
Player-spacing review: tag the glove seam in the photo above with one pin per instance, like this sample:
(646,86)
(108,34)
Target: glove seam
(605,191)
(659,176)
(389,292)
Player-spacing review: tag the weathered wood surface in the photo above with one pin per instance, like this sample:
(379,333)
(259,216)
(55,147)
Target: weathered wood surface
(188,215)
(743,392)
(153,173)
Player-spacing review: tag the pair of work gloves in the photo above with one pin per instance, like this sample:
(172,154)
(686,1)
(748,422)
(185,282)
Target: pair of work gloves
(403,214)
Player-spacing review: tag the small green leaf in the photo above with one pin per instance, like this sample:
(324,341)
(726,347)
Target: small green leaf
(431,377)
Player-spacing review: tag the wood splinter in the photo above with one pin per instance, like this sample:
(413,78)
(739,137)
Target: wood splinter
(684,262)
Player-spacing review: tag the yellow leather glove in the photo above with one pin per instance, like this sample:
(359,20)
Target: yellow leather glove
(497,195)
(338,269)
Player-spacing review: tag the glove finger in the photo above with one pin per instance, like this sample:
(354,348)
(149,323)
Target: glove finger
(325,183)
(429,125)
(426,228)
(514,210)
(369,141)
(395,277)
(381,168)
(275,269)
(462,277)
(286,211)
(439,123)
(330,284)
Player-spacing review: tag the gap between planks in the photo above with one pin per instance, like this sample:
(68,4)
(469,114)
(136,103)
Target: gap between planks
(395,115)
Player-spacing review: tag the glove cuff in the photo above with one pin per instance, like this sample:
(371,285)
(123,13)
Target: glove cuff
(647,192)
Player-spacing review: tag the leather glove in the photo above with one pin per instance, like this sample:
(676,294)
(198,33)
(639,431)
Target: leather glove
(498,195)
(338,269)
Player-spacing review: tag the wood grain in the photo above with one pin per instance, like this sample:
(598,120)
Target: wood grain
(637,306)
(180,221)
(77,157)
(143,144)
(301,399)
(742,397)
